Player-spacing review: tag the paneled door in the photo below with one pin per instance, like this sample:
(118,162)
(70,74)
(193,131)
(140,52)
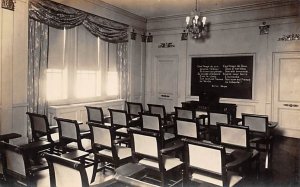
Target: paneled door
(286,93)
(165,81)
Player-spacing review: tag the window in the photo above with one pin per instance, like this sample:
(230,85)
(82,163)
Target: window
(81,67)
(88,84)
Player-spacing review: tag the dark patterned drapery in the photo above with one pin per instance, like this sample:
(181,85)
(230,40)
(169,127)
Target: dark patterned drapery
(37,66)
(122,66)
(61,16)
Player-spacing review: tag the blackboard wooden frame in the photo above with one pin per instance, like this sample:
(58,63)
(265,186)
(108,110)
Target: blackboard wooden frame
(191,95)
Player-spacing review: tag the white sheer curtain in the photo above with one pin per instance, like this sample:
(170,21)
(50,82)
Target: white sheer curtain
(84,67)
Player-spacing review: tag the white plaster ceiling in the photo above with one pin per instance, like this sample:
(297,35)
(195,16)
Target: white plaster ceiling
(157,8)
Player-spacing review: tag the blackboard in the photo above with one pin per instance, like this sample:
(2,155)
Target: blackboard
(225,76)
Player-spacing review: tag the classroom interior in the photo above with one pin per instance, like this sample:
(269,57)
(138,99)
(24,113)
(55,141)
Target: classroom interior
(60,57)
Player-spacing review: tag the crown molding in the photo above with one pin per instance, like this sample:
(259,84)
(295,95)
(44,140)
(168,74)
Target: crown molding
(230,25)
(235,9)
(117,9)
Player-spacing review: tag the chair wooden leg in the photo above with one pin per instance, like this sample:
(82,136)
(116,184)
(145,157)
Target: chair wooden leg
(94,170)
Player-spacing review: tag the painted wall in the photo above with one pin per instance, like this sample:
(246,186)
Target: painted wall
(13,68)
(14,58)
(233,31)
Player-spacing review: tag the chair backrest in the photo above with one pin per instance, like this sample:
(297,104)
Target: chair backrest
(234,136)
(186,128)
(151,122)
(217,117)
(102,136)
(182,113)
(95,114)
(206,158)
(256,123)
(144,144)
(66,172)
(15,162)
(68,129)
(134,108)
(39,125)
(157,109)
(119,118)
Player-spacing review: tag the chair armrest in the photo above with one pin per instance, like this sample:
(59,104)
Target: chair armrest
(107,119)
(123,140)
(53,127)
(236,121)
(240,157)
(172,149)
(169,116)
(168,125)
(93,123)
(36,168)
(202,116)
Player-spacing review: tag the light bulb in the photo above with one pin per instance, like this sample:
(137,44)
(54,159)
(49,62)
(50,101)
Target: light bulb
(196,18)
(203,20)
(187,19)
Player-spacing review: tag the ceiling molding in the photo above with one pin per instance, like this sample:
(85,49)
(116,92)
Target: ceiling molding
(118,10)
(235,9)
(230,25)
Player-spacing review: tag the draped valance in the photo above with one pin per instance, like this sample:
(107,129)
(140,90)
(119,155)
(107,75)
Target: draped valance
(62,16)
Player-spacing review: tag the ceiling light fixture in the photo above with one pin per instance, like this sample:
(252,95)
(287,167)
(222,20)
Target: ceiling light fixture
(195,25)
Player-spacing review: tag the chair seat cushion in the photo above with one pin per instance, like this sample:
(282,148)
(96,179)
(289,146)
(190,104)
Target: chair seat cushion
(86,144)
(168,136)
(54,137)
(122,130)
(42,178)
(169,163)
(123,152)
(149,163)
(84,128)
(107,124)
(105,152)
(232,178)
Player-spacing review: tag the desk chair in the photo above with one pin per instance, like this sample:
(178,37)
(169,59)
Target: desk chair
(105,148)
(96,115)
(259,134)
(205,163)
(152,123)
(18,168)
(235,139)
(41,129)
(152,156)
(67,173)
(121,121)
(213,119)
(182,113)
(70,137)
(161,110)
(187,128)
(134,109)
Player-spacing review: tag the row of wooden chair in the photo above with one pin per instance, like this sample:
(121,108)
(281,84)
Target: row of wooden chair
(73,135)
(201,162)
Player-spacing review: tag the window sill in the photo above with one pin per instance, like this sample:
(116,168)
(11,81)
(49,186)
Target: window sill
(82,104)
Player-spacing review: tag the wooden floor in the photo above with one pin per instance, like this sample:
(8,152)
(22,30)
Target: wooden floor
(285,166)
(284,170)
